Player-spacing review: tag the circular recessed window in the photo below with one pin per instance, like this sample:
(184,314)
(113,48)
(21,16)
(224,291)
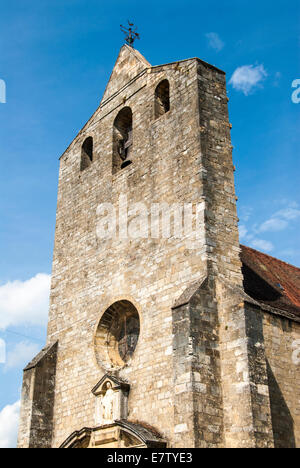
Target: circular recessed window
(117,335)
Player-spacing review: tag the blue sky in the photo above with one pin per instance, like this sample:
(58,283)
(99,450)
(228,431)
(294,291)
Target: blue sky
(56,57)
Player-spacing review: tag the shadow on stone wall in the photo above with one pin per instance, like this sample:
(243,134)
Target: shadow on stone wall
(282,421)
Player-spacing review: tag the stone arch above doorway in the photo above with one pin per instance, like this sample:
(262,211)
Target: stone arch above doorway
(120,434)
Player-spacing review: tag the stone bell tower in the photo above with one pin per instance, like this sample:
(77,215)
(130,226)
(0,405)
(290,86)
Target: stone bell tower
(149,342)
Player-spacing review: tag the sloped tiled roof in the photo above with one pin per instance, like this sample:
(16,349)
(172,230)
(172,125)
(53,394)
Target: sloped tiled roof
(271,281)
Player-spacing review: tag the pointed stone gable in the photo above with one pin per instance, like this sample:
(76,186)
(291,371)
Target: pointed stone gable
(128,65)
(117,383)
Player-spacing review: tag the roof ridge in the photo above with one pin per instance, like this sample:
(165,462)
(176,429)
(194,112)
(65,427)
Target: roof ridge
(271,256)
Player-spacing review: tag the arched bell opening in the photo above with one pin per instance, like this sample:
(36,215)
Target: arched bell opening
(122,140)
(162,99)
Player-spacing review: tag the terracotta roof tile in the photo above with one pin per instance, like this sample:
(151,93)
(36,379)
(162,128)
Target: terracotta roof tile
(271,281)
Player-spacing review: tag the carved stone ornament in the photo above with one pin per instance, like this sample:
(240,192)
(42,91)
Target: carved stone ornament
(111,400)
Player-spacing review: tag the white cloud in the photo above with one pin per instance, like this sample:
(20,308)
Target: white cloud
(25,302)
(289,213)
(248,77)
(280,220)
(21,354)
(277,78)
(273,225)
(2,351)
(262,245)
(245,213)
(243,232)
(289,253)
(214,41)
(9,419)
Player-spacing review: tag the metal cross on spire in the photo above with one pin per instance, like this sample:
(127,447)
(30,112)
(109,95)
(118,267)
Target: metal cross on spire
(131,33)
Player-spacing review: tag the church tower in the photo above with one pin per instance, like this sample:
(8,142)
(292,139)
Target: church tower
(149,340)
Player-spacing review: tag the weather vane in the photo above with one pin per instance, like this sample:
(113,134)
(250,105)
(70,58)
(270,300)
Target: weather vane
(131,33)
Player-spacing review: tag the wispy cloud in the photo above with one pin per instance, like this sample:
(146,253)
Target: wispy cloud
(262,244)
(243,232)
(253,241)
(9,419)
(273,225)
(21,354)
(277,79)
(245,212)
(289,252)
(280,220)
(247,78)
(291,212)
(214,41)
(2,351)
(25,302)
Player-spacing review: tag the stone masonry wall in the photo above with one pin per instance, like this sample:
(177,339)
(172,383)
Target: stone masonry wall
(221,222)
(197,371)
(246,407)
(36,417)
(280,334)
